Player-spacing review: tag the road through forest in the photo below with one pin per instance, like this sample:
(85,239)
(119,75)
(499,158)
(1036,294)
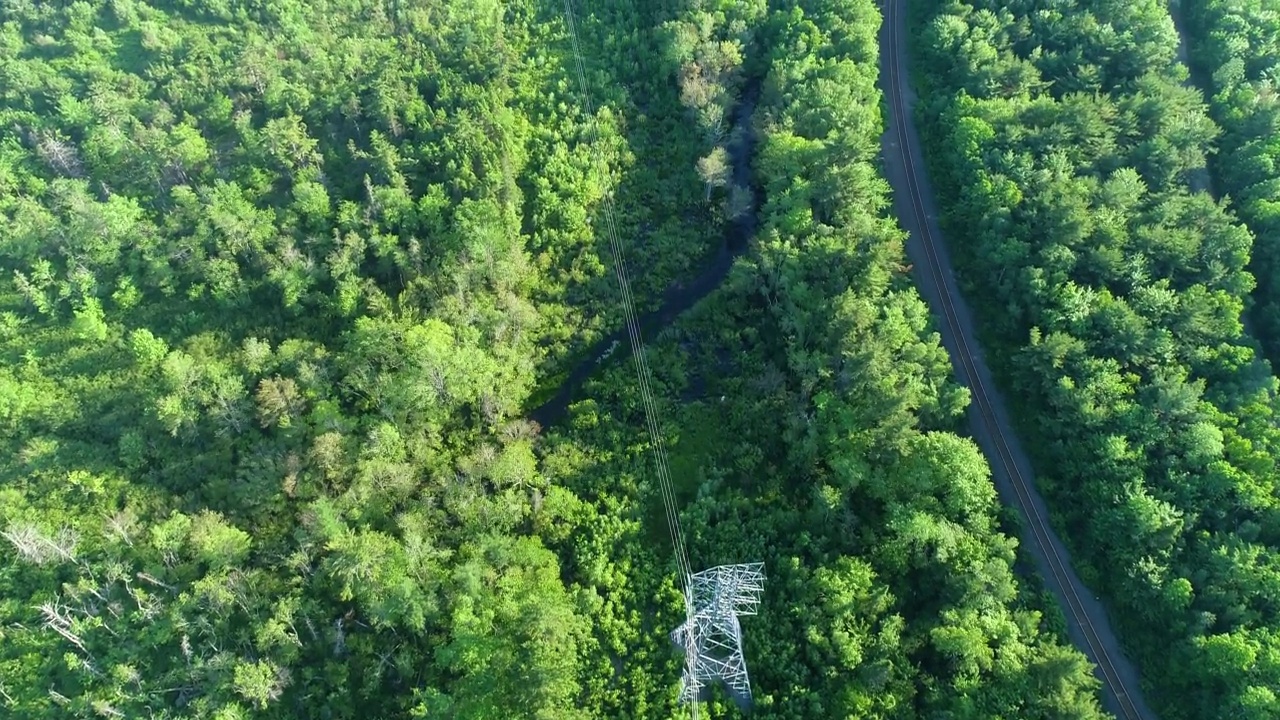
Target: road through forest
(1087,622)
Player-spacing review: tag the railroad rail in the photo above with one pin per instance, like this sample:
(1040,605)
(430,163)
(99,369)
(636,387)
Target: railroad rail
(1123,697)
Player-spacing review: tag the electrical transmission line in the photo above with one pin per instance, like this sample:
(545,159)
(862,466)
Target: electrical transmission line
(633,326)
(714,598)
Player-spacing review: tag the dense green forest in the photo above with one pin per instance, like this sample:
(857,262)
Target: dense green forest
(1062,144)
(281,279)
(808,408)
(1235,50)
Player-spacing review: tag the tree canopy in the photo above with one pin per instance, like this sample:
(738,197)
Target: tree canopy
(1063,141)
(1234,50)
(282,280)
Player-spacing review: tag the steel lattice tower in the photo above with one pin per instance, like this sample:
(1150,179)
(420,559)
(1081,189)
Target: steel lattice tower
(711,636)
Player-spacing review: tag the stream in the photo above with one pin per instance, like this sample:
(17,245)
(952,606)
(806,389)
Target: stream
(682,296)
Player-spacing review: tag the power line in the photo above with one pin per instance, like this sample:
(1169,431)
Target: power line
(633,327)
(637,352)
(710,635)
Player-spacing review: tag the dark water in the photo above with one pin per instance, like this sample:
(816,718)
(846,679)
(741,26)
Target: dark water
(680,298)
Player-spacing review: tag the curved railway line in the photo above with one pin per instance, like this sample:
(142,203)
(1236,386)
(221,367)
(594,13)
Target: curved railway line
(1086,619)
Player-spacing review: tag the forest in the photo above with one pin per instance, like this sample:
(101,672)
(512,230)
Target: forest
(1065,141)
(1235,48)
(280,282)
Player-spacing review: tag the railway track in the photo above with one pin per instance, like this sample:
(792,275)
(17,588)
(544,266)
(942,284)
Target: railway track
(1089,623)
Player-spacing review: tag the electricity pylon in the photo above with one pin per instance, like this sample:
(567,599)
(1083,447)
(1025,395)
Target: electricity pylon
(711,636)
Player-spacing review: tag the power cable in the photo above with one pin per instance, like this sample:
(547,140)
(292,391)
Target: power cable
(637,344)
(633,330)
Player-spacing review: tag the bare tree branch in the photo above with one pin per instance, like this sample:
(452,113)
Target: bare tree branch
(154,581)
(122,524)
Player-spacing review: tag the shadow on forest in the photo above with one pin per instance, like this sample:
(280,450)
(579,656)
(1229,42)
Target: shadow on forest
(657,190)
(683,296)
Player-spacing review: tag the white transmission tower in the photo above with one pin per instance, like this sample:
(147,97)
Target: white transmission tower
(711,636)
(714,598)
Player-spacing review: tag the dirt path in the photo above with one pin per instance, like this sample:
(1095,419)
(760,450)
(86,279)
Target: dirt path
(1199,180)
(1087,621)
